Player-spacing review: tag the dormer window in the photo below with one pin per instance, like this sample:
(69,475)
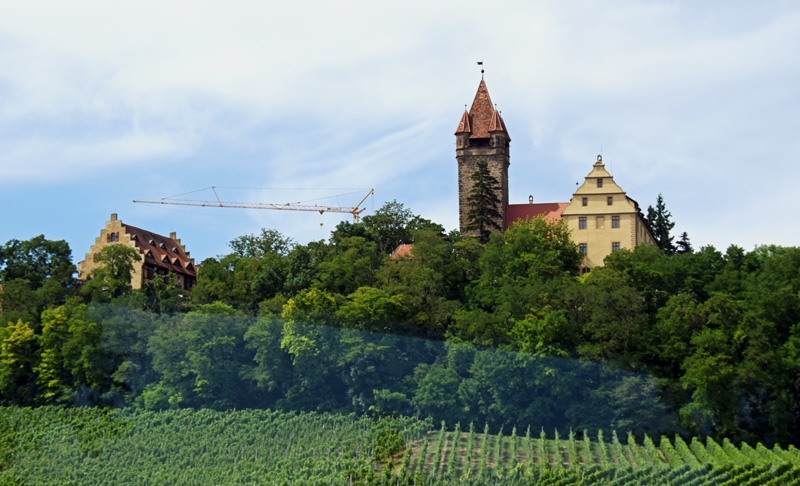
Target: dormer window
(162,246)
(174,249)
(151,242)
(134,238)
(599,182)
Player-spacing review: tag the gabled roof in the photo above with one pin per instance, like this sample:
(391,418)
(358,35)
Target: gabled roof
(482,118)
(550,211)
(157,251)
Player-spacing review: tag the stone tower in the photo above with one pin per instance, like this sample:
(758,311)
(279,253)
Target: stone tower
(481,136)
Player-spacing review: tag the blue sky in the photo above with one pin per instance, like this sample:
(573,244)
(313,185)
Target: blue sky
(102,103)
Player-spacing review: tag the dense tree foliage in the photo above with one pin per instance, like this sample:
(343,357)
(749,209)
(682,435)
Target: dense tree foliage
(702,342)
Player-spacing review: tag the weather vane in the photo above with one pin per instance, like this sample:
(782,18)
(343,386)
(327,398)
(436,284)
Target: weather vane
(480,63)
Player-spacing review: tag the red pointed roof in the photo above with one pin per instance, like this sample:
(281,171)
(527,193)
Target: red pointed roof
(463,125)
(497,124)
(482,117)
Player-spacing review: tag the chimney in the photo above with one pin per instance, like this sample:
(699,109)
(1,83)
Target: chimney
(173,235)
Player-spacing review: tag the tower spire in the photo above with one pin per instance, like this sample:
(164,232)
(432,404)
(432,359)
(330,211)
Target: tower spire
(481,136)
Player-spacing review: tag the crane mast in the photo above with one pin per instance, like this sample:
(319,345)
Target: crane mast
(355,211)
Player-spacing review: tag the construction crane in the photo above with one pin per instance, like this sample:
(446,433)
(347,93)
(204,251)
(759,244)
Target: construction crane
(355,211)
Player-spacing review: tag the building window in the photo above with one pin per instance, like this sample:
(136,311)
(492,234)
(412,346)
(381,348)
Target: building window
(599,182)
(615,221)
(615,246)
(582,248)
(610,200)
(582,222)
(585,201)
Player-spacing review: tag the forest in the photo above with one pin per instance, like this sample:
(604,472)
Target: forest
(503,333)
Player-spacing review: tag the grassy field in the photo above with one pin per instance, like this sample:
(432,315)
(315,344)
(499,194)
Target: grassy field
(84,446)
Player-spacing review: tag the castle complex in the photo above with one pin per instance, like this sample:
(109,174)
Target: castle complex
(161,257)
(600,216)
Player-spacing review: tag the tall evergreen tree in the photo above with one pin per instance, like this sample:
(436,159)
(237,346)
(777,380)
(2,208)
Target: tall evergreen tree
(661,225)
(684,245)
(483,215)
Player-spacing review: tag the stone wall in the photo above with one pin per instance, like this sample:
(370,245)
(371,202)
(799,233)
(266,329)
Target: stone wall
(496,156)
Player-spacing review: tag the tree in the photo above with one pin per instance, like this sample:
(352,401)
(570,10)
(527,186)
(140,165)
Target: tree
(73,368)
(684,246)
(483,215)
(35,275)
(19,352)
(113,277)
(199,357)
(659,219)
(269,241)
(36,260)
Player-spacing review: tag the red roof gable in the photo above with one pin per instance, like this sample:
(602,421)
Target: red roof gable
(550,211)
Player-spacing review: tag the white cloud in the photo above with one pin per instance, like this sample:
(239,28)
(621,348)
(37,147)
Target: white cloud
(692,99)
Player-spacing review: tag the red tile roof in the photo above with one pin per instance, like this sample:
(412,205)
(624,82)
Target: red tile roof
(550,211)
(160,251)
(482,117)
(497,124)
(463,125)
(402,251)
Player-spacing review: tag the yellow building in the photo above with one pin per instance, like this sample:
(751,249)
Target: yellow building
(603,219)
(161,256)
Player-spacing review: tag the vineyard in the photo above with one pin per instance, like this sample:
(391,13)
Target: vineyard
(86,446)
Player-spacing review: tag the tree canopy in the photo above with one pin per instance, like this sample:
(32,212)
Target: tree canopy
(696,341)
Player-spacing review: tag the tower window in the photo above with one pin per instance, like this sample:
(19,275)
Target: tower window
(609,200)
(615,246)
(582,222)
(615,221)
(582,248)
(599,182)
(585,201)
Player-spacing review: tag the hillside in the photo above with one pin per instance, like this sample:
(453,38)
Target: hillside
(87,446)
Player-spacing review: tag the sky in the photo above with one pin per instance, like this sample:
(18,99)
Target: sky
(318,102)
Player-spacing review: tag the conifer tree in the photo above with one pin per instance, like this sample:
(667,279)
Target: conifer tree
(483,214)
(683,245)
(661,225)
